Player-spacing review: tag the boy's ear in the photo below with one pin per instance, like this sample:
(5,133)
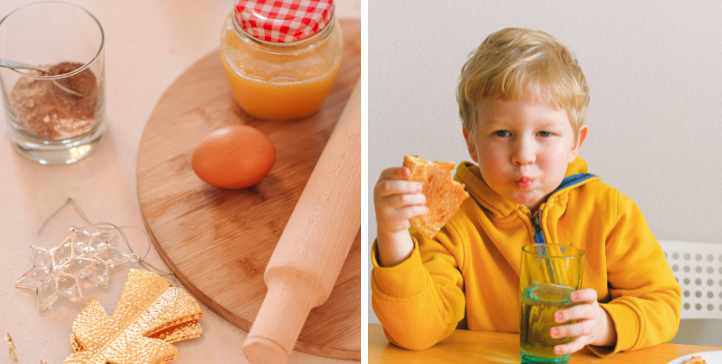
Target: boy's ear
(581,136)
(470,146)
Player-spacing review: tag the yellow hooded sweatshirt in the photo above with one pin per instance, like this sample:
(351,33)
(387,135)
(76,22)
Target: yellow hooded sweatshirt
(470,270)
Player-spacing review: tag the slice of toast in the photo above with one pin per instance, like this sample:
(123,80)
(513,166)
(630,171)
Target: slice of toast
(443,195)
(695,360)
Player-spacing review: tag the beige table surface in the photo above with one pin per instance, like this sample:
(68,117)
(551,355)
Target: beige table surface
(148,44)
(465,346)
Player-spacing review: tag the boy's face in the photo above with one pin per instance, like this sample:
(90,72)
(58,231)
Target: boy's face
(523,148)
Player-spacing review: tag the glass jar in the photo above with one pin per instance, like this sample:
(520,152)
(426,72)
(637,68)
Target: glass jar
(55,112)
(272,79)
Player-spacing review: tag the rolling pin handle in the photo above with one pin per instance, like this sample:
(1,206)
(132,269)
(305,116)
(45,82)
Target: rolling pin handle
(281,323)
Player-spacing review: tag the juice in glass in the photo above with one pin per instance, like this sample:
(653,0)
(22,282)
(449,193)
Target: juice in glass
(538,306)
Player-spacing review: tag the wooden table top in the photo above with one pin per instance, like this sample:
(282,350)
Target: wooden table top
(465,346)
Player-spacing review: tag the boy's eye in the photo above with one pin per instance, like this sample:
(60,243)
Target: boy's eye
(502,133)
(544,133)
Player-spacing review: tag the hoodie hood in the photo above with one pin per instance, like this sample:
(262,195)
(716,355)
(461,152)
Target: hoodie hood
(469,174)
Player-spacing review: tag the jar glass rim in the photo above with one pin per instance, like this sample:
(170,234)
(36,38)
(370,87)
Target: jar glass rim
(75,71)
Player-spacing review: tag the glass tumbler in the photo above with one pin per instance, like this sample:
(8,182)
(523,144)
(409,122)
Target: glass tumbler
(55,114)
(549,274)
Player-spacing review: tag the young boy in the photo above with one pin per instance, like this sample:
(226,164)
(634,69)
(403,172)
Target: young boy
(523,101)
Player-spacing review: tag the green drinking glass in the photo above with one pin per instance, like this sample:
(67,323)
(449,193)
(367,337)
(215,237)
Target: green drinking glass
(549,274)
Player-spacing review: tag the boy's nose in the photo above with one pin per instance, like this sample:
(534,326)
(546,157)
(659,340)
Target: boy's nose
(523,152)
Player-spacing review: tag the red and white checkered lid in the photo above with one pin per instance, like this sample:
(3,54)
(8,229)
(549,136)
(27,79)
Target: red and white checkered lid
(283,21)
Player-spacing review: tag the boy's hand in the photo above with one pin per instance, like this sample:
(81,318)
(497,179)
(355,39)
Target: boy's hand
(595,327)
(396,201)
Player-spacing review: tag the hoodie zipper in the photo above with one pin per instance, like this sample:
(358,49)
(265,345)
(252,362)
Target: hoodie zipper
(536,223)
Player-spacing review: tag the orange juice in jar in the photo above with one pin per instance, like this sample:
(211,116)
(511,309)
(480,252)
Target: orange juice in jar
(281,57)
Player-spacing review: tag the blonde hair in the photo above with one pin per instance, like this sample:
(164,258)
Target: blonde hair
(512,61)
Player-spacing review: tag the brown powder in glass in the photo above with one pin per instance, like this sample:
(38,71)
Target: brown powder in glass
(48,112)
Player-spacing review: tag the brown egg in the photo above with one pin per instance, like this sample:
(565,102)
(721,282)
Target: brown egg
(236,156)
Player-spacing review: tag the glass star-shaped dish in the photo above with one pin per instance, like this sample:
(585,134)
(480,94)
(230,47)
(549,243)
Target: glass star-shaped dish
(85,253)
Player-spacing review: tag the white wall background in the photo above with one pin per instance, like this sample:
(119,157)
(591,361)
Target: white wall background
(655,118)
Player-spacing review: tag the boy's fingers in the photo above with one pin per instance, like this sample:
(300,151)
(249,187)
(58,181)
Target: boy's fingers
(398,219)
(391,187)
(408,212)
(395,173)
(574,346)
(583,311)
(407,199)
(573,330)
(584,295)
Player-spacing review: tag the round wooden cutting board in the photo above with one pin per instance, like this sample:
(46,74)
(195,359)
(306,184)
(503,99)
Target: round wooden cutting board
(218,242)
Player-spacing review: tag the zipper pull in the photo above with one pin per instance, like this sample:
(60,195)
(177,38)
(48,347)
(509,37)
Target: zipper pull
(536,222)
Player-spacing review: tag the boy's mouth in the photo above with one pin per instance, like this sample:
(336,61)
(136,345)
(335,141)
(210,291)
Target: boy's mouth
(524,182)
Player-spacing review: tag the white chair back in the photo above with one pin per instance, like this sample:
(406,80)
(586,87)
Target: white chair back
(698,269)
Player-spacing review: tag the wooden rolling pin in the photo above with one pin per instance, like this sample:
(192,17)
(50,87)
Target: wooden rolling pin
(314,245)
